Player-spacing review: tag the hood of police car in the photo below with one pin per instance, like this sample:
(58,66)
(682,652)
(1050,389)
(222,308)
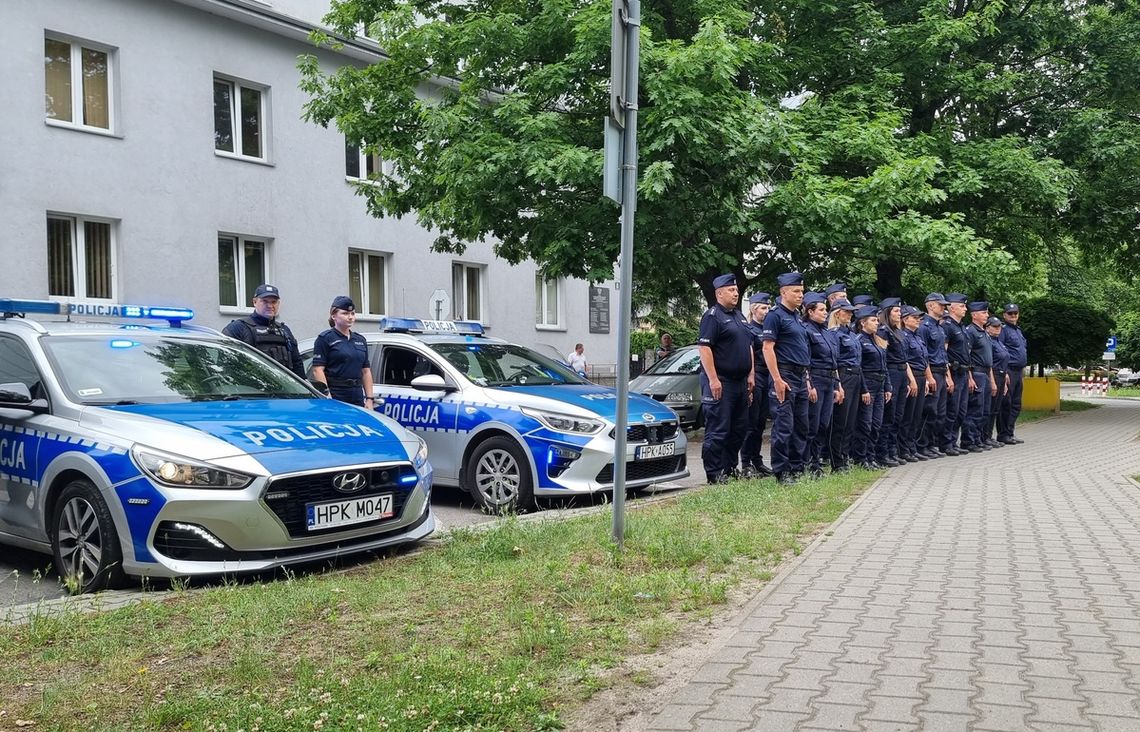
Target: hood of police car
(600,400)
(283,435)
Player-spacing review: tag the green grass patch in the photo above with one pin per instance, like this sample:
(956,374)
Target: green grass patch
(1124,391)
(1073,405)
(494,629)
(1067,405)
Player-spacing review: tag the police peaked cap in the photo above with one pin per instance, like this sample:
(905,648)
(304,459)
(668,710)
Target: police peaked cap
(890,302)
(978,306)
(865,311)
(842,304)
(264,290)
(956,297)
(993,320)
(863,300)
(910,311)
(343,302)
(813,298)
(837,287)
(937,297)
(762,298)
(724,280)
(1012,308)
(790,279)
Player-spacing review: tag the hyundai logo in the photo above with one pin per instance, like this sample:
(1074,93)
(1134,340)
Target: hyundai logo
(349,482)
(648,417)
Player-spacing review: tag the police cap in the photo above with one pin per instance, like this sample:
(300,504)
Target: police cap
(978,306)
(938,298)
(863,300)
(724,280)
(343,302)
(837,287)
(865,311)
(993,320)
(842,305)
(956,297)
(1012,308)
(813,298)
(760,298)
(909,311)
(264,290)
(790,279)
(890,302)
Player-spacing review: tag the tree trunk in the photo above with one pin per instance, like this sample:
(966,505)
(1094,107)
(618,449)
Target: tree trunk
(888,277)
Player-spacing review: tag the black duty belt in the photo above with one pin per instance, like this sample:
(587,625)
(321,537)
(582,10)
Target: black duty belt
(794,369)
(848,370)
(829,373)
(334,381)
(957,368)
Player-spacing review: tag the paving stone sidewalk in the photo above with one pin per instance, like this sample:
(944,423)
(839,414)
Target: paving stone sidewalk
(998,591)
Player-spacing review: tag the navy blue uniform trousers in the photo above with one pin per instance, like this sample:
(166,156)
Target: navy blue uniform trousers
(893,413)
(1010,405)
(726,420)
(865,440)
(912,420)
(845,417)
(994,416)
(750,455)
(934,408)
(789,424)
(977,415)
(957,405)
(819,419)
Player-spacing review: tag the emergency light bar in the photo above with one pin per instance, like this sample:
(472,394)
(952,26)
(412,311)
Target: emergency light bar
(174,316)
(415,325)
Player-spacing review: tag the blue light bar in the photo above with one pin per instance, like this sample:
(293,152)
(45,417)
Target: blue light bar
(415,325)
(174,316)
(48,307)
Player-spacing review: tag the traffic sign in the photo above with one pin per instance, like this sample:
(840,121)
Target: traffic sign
(1108,356)
(439,305)
(1110,345)
(618,48)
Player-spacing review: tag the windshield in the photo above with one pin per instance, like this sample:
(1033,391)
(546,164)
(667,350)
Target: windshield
(147,369)
(504,364)
(685,361)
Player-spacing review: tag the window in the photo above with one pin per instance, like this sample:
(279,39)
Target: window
(77,83)
(242,266)
(81,258)
(401,365)
(546,305)
(239,119)
(466,291)
(363,166)
(367,282)
(17,366)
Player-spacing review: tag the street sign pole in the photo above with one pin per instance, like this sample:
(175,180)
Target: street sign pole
(628,208)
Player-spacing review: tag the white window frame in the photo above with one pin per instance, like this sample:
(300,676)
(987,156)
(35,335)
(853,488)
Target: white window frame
(79,256)
(236,85)
(362,312)
(541,304)
(460,298)
(245,298)
(383,165)
(77,46)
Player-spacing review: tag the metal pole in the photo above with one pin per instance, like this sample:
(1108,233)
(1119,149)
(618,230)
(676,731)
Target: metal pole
(628,209)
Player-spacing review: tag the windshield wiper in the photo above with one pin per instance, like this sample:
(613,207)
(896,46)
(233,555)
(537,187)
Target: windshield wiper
(111,402)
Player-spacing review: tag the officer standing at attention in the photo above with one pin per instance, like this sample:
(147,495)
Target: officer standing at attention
(266,333)
(959,362)
(1001,378)
(1014,341)
(340,357)
(837,291)
(934,338)
(826,390)
(981,381)
(751,459)
(787,357)
(725,345)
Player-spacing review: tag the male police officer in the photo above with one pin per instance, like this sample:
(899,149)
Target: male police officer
(787,357)
(1014,341)
(981,382)
(751,459)
(266,333)
(837,291)
(1001,377)
(727,379)
(934,337)
(958,389)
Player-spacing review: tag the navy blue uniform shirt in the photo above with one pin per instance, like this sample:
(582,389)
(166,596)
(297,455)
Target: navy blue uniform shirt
(1001,356)
(981,348)
(934,338)
(956,349)
(874,356)
(727,334)
(757,330)
(824,345)
(1014,341)
(787,331)
(850,350)
(915,352)
(896,347)
(343,358)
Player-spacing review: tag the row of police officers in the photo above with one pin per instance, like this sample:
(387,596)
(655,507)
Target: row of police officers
(850,382)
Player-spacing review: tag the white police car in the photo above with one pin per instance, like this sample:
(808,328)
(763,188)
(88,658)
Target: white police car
(508,424)
(172,450)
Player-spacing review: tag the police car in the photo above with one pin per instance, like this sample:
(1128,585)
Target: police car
(165,450)
(508,424)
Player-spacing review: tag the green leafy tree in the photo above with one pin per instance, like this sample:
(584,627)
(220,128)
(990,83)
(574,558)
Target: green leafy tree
(1064,332)
(909,144)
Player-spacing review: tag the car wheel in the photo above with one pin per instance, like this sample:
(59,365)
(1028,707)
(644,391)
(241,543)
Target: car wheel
(498,476)
(84,541)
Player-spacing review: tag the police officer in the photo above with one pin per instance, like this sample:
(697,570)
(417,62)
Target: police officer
(850,363)
(903,385)
(864,443)
(787,356)
(266,333)
(1014,341)
(340,357)
(981,381)
(919,362)
(958,356)
(930,330)
(727,379)
(836,291)
(1001,377)
(826,389)
(751,459)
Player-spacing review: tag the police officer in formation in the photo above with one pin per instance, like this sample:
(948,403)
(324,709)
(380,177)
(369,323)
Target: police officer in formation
(727,380)
(266,333)
(340,357)
(852,383)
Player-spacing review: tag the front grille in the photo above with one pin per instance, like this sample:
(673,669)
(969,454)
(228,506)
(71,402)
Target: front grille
(652,433)
(287,497)
(645,469)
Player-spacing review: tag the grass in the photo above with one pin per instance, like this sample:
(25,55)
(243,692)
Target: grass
(1067,405)
(1124,391)
(494,629)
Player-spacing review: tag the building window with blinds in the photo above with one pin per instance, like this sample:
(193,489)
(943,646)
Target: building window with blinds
(467,291)
(367,282)
(242,266)
(78,84)
(546,302)
(239,119)
(81,258)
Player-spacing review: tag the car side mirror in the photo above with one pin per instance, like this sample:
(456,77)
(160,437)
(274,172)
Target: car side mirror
(15,395)
(431,382)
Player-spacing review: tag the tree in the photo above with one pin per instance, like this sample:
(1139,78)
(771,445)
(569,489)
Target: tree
(891,143)
(1065,332)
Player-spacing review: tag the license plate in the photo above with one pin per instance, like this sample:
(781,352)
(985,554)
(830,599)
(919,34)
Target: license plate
(646,452)
(345,513)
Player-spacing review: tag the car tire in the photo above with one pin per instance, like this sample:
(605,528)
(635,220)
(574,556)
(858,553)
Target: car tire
(498,476)
(84,541)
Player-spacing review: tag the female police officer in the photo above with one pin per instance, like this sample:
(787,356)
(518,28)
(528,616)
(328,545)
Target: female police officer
(864,443)
(340,357)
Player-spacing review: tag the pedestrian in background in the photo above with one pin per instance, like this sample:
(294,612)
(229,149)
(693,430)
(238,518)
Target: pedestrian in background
(825,390)
(340,357)
(725,346)
(266,333)
(850,368)
(577,359)
(751,459)
(665,347)
(787,356)
(1014,341)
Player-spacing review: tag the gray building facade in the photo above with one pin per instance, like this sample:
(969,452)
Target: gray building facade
(154,152)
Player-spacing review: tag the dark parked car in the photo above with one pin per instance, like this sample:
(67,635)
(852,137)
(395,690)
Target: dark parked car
(675,380)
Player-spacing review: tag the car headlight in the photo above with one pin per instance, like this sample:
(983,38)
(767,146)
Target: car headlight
(421,455)
(679,396)
(180,472)
(565,422)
